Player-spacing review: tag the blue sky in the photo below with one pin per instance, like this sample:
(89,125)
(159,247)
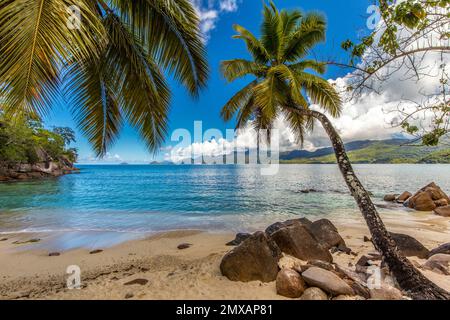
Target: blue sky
(346,20)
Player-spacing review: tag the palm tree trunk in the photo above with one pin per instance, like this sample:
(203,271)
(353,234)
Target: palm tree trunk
(408,277)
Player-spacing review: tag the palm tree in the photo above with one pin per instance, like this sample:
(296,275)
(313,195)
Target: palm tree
(109,64)
(282,86)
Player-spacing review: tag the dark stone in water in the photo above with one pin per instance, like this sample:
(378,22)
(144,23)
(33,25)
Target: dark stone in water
(184,246)
(141,282)
(96,251)
(27,241)
(240,237)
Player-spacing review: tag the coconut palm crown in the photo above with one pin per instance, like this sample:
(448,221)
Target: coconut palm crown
(108,58)
(280,70)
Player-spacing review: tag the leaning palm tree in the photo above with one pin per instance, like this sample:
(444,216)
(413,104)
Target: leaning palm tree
(283,87)
(107,57)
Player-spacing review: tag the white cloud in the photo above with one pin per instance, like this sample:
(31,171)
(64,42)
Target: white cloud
(209,12)
(108,158)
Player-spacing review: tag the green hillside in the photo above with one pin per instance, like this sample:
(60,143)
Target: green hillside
(386,151)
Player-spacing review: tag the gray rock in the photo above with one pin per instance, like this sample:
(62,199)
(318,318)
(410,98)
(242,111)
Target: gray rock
(314,293)
(444,248)
(327,234)
(290,284)
(254,259)
(327,281)
(279,225)
(409,246)
(240,237)
(386,292)
(141,282)
(297,241)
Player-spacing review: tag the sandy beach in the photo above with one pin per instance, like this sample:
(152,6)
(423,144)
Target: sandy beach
(154,268)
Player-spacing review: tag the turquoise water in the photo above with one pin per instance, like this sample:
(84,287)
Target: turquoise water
(141,199)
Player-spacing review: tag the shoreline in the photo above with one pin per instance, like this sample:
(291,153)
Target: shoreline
(157,269)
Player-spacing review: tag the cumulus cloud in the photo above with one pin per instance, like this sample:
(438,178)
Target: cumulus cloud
(209,12)
(108,158)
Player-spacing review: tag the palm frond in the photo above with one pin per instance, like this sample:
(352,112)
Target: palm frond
(271,30)
(322,93)
(170,31)
(36,42)
(310,32)
(90,91)
(254,46)
(317,66)
(238,101)
(238,68)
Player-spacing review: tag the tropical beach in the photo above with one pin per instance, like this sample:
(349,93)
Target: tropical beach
(224,150)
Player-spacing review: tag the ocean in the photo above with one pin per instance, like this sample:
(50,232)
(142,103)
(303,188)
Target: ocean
(116,201)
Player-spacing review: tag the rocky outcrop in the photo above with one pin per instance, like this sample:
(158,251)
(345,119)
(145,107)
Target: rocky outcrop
(409,246)
(45,167)
(439,263)
(297,241)
(254,259)
(442,211)
(428,198)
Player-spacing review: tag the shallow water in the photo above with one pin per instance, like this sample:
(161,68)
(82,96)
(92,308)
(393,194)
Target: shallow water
(142,199)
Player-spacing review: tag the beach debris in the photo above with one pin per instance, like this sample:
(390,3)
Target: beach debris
(254,259)
(240,237)
(95,251)
(279,225)
(290,284)
(54,254)
(141,282)
(409,246)
(129,295)
(183,246)
(327,281)
(297,241)
(385,292)
(444,248)
(442,211)
(367,239)
(314,293)
(27,241)
(438,263)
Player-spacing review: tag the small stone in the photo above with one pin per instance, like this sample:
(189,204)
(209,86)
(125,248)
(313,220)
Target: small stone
(367,239)
(129,295)
(390,197)
(141,282)
(386,292)
(183,246)
(326,280)
(314,293)
(290,284)
(95,251)
(54,254)
(3,239)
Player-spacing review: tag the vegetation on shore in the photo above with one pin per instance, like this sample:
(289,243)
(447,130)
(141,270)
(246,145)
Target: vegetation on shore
(24,140)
